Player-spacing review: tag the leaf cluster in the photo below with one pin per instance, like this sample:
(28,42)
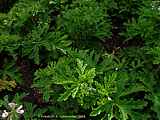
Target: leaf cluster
(98,58)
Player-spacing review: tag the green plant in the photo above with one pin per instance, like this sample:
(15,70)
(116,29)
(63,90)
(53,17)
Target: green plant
(14,111)
(85,20)
(97,59)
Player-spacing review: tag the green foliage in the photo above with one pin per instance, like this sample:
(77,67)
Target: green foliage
(156,105)
(40,39)
(146,26)
(114,100)
(155,52)
(7,43)
(10,71)
(9,75)
(81,83)
(22,10)
(78,77)
(95,58)
(85,19)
